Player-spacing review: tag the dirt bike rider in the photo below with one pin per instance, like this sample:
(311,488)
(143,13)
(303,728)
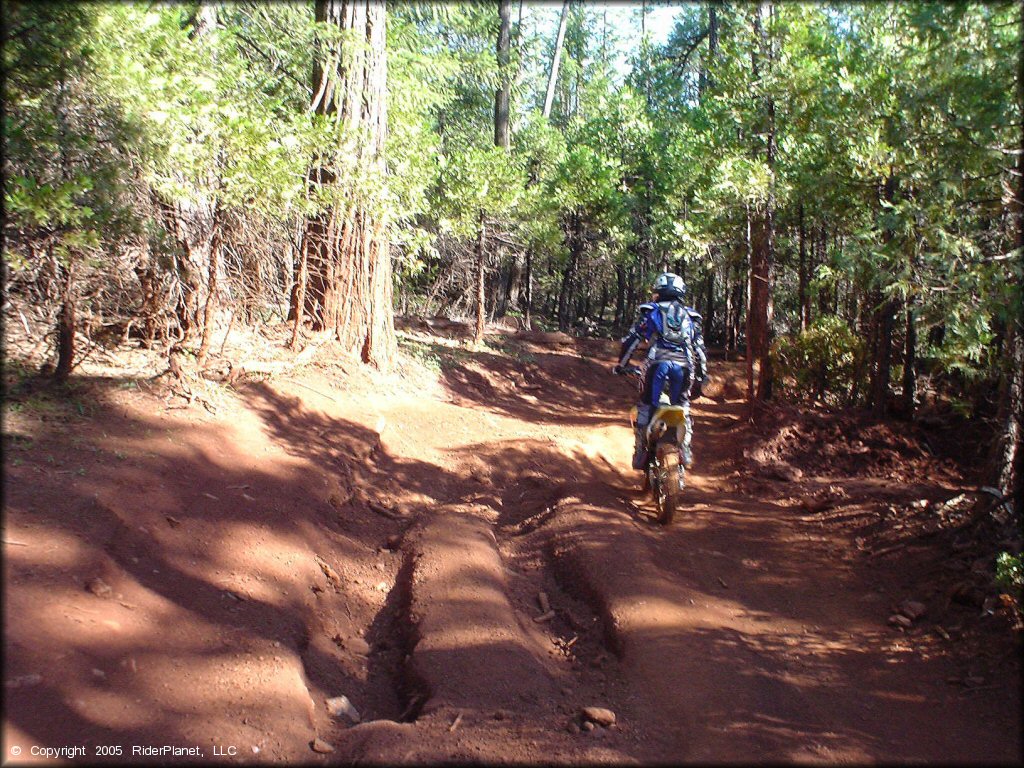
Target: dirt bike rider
(676,357)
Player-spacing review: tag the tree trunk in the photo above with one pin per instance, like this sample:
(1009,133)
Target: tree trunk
(575,250)
(729,331)
(709,298)
(805,313)
(767,266)
(528,303)
(885,311)
(66,324)
(706,78)
(762,239)
(1011,475)
(478,337)
(910,363)
(555,60)
(819,245)
(211,290)
(501,97)
(514,284)
(349,289)
(300,293)
(146,272)
(620,296)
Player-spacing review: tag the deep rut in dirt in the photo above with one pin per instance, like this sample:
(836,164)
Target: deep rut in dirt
(393,550)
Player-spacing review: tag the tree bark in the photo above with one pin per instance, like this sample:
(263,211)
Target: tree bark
(910,362)
(349,289)
(805,314)
(575,250)
(211,289)
(620,296)
(66,324)
(555,60)
(501,97)
(300,293)
(706,78)
(762,239)
(478,337)
(885,311)
(1011,474)
(528,302)
(709,299)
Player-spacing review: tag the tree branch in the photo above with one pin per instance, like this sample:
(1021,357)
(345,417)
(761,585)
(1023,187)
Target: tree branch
(276,65)
(685,57)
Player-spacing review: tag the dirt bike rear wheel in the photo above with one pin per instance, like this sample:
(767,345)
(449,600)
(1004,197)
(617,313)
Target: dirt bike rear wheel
(666,482)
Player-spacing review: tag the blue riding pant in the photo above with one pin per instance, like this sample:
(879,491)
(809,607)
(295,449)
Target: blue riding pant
(658,373)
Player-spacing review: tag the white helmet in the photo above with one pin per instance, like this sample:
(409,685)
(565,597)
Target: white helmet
(669,286)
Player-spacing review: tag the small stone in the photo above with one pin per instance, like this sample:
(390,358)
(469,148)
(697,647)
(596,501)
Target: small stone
(17,682)
(920,503)
(358,645)
(913,609)
(588,726)
(99,673)
(255,749)
(572,727)
(499,714)
(393,541)
(599,715)
(382,586)
(899,620)
(340,705)
(99,587)
(321,746)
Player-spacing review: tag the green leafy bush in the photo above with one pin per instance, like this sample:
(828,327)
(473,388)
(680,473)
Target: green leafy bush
(1010,573)
(821,362)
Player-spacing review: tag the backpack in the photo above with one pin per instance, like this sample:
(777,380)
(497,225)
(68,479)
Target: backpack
(676,327)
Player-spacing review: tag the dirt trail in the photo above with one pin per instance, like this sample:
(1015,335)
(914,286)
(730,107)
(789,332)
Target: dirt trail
(181,578)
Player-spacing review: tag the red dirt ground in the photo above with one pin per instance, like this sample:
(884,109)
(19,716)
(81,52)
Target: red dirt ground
(209,574)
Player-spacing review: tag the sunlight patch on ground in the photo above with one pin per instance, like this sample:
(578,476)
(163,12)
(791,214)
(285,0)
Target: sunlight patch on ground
(53,549)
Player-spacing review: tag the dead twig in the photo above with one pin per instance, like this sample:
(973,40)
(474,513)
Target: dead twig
(316,391)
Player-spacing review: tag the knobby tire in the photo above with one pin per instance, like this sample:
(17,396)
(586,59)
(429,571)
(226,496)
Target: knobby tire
(666,482)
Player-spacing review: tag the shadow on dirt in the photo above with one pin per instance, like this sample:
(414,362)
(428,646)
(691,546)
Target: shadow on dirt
(208,555)
(532,384)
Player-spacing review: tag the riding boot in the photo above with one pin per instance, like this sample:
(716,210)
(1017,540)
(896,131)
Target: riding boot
(687,436)
(640,449)
(643,418)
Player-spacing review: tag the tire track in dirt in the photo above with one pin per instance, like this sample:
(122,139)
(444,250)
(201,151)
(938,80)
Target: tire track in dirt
(744,633)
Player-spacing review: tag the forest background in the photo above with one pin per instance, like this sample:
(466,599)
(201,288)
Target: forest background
(840,185)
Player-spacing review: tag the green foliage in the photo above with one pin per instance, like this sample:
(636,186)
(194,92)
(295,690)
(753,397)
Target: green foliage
(820,363)
(1010,573)
(113,109)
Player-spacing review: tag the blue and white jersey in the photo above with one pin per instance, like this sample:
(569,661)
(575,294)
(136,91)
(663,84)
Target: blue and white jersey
(674,332)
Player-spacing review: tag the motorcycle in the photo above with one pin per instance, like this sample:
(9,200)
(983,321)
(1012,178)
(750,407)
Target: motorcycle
(664,473)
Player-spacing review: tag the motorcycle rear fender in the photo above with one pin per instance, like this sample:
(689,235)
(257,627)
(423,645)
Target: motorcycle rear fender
(671,415)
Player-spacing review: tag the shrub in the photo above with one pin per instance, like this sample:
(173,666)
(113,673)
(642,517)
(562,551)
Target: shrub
(821,362)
